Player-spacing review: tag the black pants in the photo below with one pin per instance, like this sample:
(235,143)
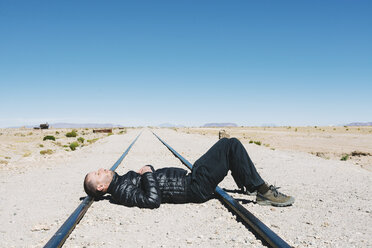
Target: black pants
(211,168)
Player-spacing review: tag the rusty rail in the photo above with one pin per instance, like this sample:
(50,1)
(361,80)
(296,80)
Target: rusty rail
(64,231)
(264,232)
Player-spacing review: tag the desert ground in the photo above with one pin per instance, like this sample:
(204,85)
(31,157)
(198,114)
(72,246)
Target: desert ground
(332,142)
(327,170)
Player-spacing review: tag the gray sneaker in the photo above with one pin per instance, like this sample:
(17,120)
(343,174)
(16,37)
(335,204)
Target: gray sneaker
(274,197)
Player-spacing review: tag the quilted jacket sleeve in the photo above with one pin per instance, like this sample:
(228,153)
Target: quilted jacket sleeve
(146,196)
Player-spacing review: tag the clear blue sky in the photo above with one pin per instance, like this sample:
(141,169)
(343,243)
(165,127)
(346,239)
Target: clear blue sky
(185,62)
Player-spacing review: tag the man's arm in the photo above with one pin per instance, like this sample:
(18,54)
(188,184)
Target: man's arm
(146,196)
(146,168)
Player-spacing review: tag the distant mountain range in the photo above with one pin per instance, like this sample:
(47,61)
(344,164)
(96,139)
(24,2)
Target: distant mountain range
(169,125)
(76,125)
(110,125)
(205,125)
(359,124)
(220,125)
(83,125)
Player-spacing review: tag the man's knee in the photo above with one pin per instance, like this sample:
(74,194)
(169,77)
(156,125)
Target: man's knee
(223,140)
(235,141)
(230,142)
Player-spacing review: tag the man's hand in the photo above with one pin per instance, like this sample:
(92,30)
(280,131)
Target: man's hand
(144,169)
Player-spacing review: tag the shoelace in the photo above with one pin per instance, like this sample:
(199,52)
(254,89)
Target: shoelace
(275,191)
(245,191)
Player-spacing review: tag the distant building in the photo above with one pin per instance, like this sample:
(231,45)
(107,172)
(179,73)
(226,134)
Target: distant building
(42,126)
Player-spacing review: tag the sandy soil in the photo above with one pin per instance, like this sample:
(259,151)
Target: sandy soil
(332,208)
(347,143)
(28,145)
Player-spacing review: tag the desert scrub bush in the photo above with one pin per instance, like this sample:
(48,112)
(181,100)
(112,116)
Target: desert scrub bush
(49,137)
(57,132)
(26,154)
(345,157)
(255,142)
(48,151)
(123,132)
(30,133)
(92,141)
(109,134)
(4,162)
(73,146)
(81,139)
(41,145)
(7,157)
(71,134)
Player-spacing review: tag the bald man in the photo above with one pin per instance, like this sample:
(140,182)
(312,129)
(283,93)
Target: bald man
(148,188)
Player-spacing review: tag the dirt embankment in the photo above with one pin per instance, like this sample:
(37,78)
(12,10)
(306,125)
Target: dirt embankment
(19,145)
(336,143)
(38,197)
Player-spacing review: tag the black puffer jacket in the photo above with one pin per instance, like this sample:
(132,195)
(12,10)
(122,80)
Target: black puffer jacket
(167,185)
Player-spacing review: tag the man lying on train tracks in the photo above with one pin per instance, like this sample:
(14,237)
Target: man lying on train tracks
(148,188)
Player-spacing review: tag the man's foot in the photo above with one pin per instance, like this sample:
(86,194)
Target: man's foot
(274,197)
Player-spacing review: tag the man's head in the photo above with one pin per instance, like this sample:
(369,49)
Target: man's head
(97,182)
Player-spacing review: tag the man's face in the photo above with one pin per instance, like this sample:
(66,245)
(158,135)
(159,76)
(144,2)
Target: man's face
(101,177)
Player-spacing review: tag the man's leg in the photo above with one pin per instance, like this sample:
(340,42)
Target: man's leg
(229,154)
(210,169)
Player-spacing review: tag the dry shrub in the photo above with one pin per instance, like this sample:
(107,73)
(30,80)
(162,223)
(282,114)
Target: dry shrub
(26,154)
(73,146)
(48,151)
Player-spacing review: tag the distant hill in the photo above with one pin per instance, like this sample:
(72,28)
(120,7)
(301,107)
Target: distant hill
(220,125)
(359,124)
(169,125)
(269,125)
(83,125)
(76,125)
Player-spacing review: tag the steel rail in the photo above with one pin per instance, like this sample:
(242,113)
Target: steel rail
(264,232)
(59,238)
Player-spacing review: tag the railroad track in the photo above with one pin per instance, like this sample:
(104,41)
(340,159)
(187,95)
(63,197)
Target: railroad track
(59,238)
(260,229)
(263,232)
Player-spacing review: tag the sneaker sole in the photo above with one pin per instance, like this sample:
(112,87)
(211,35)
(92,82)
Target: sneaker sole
(275,204)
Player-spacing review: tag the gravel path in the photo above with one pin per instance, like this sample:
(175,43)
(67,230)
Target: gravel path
(332,208)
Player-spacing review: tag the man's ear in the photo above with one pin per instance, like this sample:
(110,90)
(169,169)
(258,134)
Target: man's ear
(100,187)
